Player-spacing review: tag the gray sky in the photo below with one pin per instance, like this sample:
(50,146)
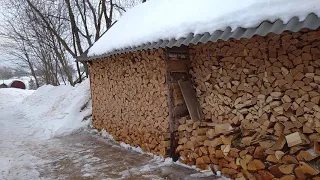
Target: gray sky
(1,54)
(3,61)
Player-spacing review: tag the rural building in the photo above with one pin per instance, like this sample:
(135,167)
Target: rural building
(17,84)
(237,91)
(3,85)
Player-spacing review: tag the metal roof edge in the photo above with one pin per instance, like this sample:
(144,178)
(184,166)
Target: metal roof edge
(312,22)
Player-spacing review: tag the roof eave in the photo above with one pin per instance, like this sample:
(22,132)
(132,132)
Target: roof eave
(311,22)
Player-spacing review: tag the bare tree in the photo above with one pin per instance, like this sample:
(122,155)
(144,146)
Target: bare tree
(17,44)
(46,36)
(102,13)
(5,73)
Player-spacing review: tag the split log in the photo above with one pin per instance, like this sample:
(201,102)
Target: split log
(296,139)
(287,169)
(307,169)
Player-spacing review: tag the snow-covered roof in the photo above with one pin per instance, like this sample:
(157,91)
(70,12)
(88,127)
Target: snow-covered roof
(167,23)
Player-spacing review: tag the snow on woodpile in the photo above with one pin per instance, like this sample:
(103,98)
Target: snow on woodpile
(57,110)
(167,19)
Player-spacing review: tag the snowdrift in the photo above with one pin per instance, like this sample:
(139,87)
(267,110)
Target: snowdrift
(12,96)
(57,110)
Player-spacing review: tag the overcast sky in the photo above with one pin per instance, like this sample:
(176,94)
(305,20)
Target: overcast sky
(1,54)
(3,61)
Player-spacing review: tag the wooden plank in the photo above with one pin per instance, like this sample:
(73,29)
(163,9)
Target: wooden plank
(181,53)
(180,111)
(173,143)
(181,49)
(175,77)
(177,66)
(191,100)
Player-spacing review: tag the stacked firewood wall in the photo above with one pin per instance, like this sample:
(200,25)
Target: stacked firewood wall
(129,99)
(260,98)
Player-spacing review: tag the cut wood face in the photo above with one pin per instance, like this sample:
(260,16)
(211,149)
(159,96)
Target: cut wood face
(129,99)
(260,101)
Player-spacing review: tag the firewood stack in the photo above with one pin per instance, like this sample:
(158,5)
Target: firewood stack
(260,99)
(129,99)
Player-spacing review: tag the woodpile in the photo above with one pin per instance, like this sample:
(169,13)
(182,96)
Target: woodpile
(260,101)
(260,98)
(129,99)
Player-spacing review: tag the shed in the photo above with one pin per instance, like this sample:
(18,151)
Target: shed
(17,84)
(232,87)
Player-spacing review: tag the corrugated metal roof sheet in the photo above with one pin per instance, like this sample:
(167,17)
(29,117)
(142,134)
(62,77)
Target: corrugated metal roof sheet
(311,22)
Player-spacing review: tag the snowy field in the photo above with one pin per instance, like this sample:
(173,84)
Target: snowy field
(44,134)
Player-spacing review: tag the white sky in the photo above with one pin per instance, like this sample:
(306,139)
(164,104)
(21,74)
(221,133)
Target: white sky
(3,59)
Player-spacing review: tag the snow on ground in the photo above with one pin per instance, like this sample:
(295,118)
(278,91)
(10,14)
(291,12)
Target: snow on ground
(166,19)
(12,96)
(27,117)
(41,137)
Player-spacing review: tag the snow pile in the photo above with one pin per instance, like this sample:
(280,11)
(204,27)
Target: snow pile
(105,134)
(166,19)
(57,110)
(136,149)
(12,96)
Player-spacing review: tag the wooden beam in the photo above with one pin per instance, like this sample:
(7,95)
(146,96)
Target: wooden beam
(177,66)
(191,100)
